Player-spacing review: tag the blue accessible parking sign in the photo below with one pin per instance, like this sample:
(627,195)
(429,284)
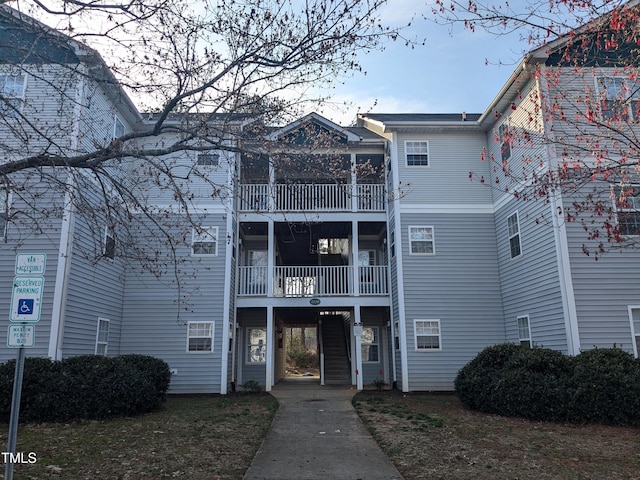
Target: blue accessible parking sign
(25,306)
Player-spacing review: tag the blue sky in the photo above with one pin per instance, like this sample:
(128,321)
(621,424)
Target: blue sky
(446,75)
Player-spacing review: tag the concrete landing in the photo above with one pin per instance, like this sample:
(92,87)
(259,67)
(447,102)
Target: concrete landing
(317,434)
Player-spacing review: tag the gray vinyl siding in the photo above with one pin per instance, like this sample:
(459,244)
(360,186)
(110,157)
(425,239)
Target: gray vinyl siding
(155,323)
(250,318)
(95,290)
(603,291)
(458,286)
(531,282)
(19,240)
(446,180)
(372,370)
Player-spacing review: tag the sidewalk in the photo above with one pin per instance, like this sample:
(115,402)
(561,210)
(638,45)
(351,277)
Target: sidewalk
(316,434)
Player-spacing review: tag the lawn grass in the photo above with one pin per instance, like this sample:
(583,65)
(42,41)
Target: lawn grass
(432,436)
(190,437)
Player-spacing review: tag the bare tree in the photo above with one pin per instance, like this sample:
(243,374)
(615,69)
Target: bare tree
(210,76)
(574,135)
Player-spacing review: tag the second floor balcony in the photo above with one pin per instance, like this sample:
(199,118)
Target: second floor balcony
(333,197)
(312,281)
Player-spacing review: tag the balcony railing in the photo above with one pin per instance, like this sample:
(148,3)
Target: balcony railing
(299,281)
(312,197)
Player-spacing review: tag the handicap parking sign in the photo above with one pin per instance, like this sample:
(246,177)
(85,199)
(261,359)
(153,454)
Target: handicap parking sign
(25,306)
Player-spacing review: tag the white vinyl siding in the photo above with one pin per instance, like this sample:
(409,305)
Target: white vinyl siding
(524,330)
(205,242)
(417,153)
(421,240)
(200,337)
(102,336)
(427,334)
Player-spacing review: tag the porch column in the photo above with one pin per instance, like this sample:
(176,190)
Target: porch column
(357,331)
(270,349)
(354,183)
(356,263)
(270,256)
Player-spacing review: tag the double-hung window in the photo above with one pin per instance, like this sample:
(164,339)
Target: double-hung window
(421,240)
(524,330)
(204,242)
(619,98)
(370,342)
(627,205)
(427,334)
(504,136)
(208,159)
(417,154)
(109,243)
(12,92)
(200,337)
(102,336)
(513,229)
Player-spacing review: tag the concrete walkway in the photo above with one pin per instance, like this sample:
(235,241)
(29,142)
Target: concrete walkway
(317,434)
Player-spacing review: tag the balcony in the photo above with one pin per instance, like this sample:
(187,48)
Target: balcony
(298,281)
(312,197)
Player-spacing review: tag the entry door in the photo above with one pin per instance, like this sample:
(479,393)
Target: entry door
(258,276)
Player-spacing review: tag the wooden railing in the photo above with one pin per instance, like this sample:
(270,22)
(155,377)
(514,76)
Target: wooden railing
(310,281)
(312,197)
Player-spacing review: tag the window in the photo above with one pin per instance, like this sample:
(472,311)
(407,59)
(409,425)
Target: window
(504,136)
(421,241)
(627,205)
(634,314)
(109,244)
(208,159)
(256,345)
(205,242)
(619,98)
(524,331)
(513,228)
(396,334)
(102,336)
(12,91)
(417,154)
(392,243)
(427,334)
(118,127)
(200,337)
(370,344)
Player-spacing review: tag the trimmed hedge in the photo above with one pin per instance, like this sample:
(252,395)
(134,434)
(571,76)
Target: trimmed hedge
(596,386)
(85,387)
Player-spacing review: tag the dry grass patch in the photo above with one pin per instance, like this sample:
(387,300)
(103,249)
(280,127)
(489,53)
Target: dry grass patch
(193,437)
(433,436)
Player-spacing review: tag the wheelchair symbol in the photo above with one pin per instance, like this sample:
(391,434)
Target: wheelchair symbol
(25,306)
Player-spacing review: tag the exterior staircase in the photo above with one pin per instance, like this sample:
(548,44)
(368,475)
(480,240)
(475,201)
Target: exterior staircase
(336,360)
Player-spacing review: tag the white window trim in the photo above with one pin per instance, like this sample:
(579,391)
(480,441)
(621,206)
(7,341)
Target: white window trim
(195,237)
(522,339)
(630,309)
(518,234)
(619,210)
(21,97)
(406,154)
(415,335)
(189,337)
(116,121)
(248,346)
(108,233)
(433,241)
(371,362)
(101,321)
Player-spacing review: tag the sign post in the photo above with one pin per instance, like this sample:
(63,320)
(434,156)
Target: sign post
(26,298)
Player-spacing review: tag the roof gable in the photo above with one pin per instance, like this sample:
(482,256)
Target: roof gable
(313,129)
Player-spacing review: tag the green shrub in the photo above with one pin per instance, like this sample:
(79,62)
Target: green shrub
(600,385)
(302,358)
(607,387)
(87,387)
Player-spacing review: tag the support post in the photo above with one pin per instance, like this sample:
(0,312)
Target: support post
(270,350)
(15,413)
(357,331)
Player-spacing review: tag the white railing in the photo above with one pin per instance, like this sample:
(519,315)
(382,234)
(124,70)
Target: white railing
(373,280)
(311,197)
(296,281)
